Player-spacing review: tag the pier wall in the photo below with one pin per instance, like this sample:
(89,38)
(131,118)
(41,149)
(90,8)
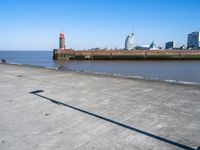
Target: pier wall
(59,54)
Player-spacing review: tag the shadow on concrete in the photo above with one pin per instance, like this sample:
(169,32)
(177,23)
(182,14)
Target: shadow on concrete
(114,122)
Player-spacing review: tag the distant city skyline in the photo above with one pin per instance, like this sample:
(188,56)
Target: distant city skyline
(36,24)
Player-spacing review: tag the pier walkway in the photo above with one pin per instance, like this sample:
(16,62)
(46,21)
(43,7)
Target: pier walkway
(46,109)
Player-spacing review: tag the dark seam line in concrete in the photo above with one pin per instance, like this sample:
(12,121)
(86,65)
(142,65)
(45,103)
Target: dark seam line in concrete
(115,122)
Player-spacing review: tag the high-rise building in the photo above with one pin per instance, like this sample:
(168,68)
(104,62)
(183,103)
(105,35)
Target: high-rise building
(170,45)
(193,40)
(129,42)
(62,41)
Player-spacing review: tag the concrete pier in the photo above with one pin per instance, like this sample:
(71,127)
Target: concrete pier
(69,54)
(45,109)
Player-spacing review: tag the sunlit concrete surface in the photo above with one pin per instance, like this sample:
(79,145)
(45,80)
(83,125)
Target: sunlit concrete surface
(44,109)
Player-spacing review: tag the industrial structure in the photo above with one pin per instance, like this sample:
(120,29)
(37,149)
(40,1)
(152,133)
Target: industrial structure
(170,45)
(129,42)
(193,41)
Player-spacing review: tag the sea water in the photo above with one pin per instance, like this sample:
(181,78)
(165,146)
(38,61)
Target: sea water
(187,72)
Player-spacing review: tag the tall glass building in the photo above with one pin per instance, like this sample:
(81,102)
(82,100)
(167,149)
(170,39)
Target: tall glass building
(129,42)
(170,45)
(193,40)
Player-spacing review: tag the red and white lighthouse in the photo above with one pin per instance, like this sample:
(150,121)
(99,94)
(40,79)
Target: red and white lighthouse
(62,41)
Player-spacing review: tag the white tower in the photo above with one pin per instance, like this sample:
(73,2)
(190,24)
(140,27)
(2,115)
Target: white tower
(129,42)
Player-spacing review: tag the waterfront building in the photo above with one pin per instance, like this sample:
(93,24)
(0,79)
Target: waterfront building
(183,47)
(142,47)
(62,41)
(129,42)
(153,46)
(170,45)
(193,40)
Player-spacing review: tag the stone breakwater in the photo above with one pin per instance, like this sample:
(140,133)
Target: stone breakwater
(50,109)
(59,54)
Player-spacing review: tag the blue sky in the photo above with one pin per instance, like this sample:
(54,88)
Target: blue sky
(35,24)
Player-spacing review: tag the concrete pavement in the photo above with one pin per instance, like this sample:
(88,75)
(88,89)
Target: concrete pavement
(47,109)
